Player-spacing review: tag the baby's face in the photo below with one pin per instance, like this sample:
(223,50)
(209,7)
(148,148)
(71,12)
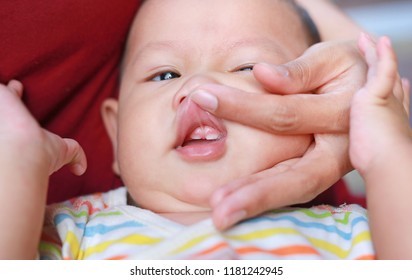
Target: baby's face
(171,154)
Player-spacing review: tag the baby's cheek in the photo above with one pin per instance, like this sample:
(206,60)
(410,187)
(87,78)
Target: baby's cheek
(278,148)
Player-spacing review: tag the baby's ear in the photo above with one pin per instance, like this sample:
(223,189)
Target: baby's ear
(109,114)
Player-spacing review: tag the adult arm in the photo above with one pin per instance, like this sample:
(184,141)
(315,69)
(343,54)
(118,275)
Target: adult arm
(29,155)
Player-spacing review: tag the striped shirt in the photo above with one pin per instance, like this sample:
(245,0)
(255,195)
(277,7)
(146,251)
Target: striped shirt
(103,226)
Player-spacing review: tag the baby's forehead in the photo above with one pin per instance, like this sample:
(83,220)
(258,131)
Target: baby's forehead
(277,9)
(169,20)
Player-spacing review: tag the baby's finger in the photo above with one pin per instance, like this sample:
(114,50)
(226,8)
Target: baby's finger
(75,157)
(16,87)
(66,152)
(398,90)
(383,73)
(406,95)
(368,48)
(387,66)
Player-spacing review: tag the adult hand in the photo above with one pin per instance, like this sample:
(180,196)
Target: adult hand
(335,68)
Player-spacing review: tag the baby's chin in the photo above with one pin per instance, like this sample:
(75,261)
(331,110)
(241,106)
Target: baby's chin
(186,193)
(197,194)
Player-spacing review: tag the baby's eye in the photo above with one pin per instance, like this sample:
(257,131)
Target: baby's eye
(244,68)
(168,75)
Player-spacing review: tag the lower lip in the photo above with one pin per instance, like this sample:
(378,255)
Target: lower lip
(203,151)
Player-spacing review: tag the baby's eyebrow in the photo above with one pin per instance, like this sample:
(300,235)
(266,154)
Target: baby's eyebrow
(180,49)
(163,46)
(172,46)
(224,47)
(262,43)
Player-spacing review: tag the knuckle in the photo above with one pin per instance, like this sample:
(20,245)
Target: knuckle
(301,72)
(282,119)
(313,189)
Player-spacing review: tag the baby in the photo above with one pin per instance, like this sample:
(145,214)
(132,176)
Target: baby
(171,154)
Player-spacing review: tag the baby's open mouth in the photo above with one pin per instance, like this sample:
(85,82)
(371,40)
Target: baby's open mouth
(200,135)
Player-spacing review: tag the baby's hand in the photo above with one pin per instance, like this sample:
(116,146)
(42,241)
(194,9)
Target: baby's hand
(379,124)
(22,139)
(28,155)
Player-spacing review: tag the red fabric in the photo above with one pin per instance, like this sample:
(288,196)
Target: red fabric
(337,195)
(66,53)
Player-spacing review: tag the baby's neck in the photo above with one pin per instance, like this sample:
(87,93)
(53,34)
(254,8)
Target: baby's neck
(187,218)
(183,218)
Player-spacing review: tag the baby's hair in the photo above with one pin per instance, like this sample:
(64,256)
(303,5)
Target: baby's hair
(307,21)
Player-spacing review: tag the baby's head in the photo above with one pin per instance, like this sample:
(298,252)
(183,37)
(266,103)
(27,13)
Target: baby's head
(170,153)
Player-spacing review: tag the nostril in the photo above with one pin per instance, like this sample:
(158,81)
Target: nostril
(182,99)
(179,99)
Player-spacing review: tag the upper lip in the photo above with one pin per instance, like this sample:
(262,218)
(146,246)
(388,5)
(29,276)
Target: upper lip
(190,116)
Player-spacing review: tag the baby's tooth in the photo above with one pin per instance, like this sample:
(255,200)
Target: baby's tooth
(205,132)
(212,136)
(211,133)
(197,134)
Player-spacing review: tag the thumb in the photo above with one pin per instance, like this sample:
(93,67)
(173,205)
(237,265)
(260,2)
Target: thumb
(16,87)
(318,65)
(74,157)
(68,152)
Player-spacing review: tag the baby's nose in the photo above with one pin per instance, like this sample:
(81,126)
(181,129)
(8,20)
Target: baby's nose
(190,86)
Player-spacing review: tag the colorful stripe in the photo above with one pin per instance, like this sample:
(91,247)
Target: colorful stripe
(91,228)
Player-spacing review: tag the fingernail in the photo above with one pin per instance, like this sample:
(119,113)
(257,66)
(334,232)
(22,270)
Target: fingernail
(233,218)
(78,169)
(205,100)
(368,37)
(406,84)
(406,81)
(365,36)
(387,42)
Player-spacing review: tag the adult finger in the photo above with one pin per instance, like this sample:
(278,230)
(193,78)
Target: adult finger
(220,194)
(317,66)
(299,183)
(287,114)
